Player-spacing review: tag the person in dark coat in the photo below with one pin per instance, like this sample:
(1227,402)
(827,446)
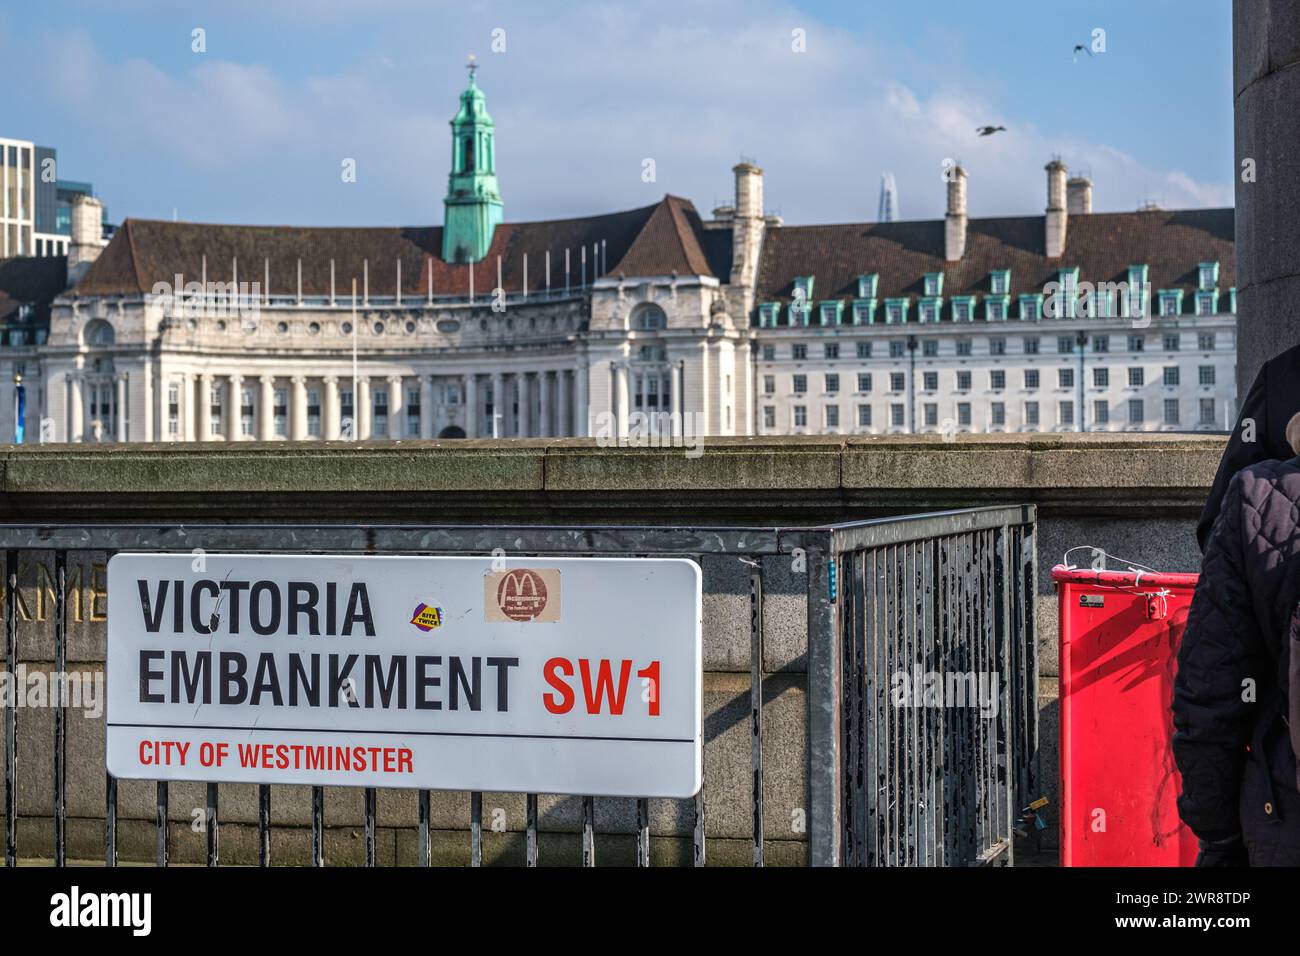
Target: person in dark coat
(1260,433)
(1231,742)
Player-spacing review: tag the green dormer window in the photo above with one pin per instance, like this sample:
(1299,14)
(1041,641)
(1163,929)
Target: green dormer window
(963,308)
(803,288)
(996,308)
(1137,275)
(1207,303)
(933,284)
(1209,275)
(895,311)
(1031,307)
(830,311)
(1171,301)
(768,314)
(1101,304)
(928,309)
(1000,281)
(864,312)
(867,286)
(1063,301)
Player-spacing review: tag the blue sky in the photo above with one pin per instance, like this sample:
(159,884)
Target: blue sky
(255,129)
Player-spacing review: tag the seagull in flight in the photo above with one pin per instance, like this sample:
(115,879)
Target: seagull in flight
(990,130)
(1080,47)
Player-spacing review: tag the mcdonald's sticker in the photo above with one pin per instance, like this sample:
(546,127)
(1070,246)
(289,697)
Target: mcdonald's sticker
(522,594)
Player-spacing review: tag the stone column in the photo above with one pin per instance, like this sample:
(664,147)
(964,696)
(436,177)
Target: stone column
(471,405)
(1266,84)
(426,406)
(544,383)
(361,409)
(525,429)
(234,423)
(581,413)
(329,425)
(298,409)
(496,427)
(396,402)
(205,407)
(76,423)
(120,415)
(621,397)
(266,408)
(563,414)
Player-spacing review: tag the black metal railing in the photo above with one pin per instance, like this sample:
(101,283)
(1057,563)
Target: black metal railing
(947,590)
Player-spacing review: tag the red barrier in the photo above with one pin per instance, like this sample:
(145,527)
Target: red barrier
(1119,643)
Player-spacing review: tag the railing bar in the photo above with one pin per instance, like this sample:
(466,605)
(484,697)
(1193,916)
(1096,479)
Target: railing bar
(643,832)
(588,831)
(264,825)
(756,710)
(317,826)
(213,825)
(698,841)
(476,828)
(161,823)
(60,707)
(11,713)
(110,820)
(877,682)
(424,851)
(370,800)
(531,848)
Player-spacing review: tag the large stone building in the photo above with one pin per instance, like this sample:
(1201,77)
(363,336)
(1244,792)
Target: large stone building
(734,325)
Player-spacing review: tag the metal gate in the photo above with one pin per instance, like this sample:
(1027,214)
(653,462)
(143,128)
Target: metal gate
(886,784)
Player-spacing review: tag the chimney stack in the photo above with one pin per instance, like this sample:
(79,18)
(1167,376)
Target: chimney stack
(1057,216)
(1079,195)
(87,236)
(747,229)
(954,228)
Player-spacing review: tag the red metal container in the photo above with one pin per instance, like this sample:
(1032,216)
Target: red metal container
(1119,644)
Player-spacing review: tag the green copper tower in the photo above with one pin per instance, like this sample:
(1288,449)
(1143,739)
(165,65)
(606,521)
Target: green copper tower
(473,203)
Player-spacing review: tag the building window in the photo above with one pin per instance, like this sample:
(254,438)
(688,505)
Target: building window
(930,381)
(1065,378)
(346,411)
(930,411)
(864,381)
(379,423)
(1031,378)
(1136,343)
(281,410)
(1172,342)
(1101,343)
(1170,303)
(1000,281)
(1136,411)
(930,348)
(998,414)
(1205,341)
(895,311)
(928,310)
(961,311)
(1171,375)
(963,381)
(1207,303)
(800,416)
(832,416)
(831,350)
(769,384)
(864,416)
(799,352)
(995,310)
(214,408)
(897,381)
(1031,346)
(1031,413)
(800,384)
(1064,344)
(1207,411)
(1030,308)
(1205,374)
(413,410)
(864,350)
(832,383)
(963,347)
(867,286)
(897,415)
(897,349)
(1065,412)
(997,379)
(1171,411)
(829,313)
(1209,274)
(864,312)
(963,413)
(1101,378)
(768,313)
(246,404)
(769,416)
(997,346)
(1136,377)
(769,353)
(1101,412)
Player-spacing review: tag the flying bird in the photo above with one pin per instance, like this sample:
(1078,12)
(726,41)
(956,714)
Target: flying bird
(990,130)
(1077,48)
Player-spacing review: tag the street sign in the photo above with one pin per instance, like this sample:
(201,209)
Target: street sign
(538,675)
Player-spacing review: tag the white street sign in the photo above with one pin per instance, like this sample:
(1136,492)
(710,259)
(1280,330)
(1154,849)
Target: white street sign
(539,675)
